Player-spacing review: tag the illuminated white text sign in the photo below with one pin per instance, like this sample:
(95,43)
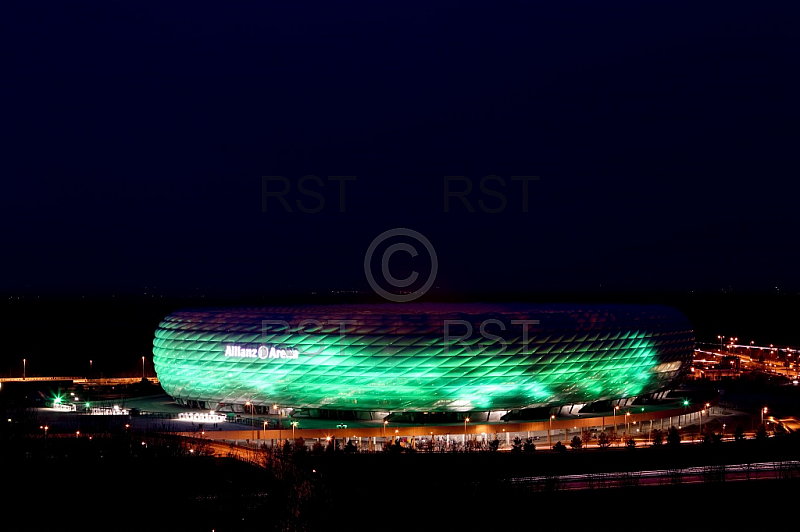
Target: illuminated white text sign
(264,352)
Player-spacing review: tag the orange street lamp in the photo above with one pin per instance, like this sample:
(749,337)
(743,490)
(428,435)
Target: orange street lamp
(549,439)
(466,420)
(275,407)
(252,421)
(45,427)
(700,414)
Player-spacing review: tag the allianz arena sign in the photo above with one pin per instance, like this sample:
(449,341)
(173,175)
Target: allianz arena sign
(264,352)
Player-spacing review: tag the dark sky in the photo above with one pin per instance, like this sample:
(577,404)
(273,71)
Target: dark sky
(664,138)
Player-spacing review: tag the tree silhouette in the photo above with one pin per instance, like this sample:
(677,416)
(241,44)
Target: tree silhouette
(394,448)
(300,448)
(603,440)
(739,434)
(317,449)
(576,442)
(529,446)
(332,446)
(516,445)
(658,438)
(673,437)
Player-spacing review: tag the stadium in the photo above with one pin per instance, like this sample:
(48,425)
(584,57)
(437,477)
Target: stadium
(419,358)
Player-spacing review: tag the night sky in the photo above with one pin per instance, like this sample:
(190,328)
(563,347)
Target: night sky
(664,138)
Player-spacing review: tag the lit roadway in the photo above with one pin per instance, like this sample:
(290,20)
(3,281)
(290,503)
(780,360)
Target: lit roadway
(773,363)
(81,380)
(660,477)
(657,477)
(245,454)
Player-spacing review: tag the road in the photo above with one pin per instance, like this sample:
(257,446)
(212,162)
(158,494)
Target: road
(661,477)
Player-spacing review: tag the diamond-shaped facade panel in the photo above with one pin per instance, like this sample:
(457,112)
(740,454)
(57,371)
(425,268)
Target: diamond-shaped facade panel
(424,357)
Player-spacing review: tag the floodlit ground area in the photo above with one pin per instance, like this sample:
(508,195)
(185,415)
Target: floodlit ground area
(158,412)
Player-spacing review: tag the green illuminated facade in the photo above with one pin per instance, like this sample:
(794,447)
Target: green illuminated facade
(419,358)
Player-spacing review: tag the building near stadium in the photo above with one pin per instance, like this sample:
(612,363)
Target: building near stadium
(419,357)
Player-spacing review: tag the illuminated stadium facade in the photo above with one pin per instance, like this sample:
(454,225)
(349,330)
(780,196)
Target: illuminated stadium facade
(419,358)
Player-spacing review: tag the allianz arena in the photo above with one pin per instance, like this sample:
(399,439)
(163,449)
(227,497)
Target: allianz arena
(419,357)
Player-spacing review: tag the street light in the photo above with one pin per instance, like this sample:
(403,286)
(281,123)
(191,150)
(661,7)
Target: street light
(627,423)
(280,421)
(549,439)
(700,414)
(763,411)
(275,406)
(294,424)
(615,423)
(466,420)
(142,368)
(685,404)
(90,369)
(23,368)
(45,427)
(252,421)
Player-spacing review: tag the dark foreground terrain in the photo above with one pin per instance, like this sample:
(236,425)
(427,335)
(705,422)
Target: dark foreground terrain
(73,489)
